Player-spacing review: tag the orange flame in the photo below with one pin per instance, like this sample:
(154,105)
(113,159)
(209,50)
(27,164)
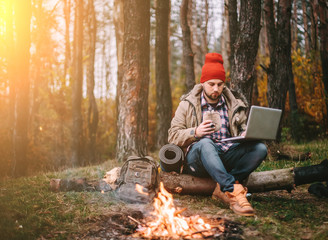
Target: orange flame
(140,189)
(169,223)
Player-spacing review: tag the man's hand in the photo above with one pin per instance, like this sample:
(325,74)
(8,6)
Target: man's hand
(206,127)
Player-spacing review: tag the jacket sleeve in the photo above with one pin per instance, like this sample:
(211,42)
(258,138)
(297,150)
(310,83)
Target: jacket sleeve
(239,121)
(242,120)
(180,133)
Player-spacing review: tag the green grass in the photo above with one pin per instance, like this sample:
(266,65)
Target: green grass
(318,149)
(29,210)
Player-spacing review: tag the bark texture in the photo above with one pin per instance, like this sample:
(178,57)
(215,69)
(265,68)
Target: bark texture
(67,14)
(163,87)
(314,24)
(225,38)
(280,76)
(323,33)
(280,52)
(133,97)
(188,54)
(118,19)
(294,26)
(233,26)
(244,36)
(77,134)
(294,115)
(281,179)
(92,109)
(306,28)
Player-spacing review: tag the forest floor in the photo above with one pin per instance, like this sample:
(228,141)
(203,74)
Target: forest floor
(29,210)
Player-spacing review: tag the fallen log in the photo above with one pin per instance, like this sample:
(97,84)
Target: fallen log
(79,185)
(282,179)
(82,184)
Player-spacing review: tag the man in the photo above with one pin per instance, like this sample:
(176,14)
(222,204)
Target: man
(227,163)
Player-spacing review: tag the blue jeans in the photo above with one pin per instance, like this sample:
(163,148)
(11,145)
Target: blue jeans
(205,159)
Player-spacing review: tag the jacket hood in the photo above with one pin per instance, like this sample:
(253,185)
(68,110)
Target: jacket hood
(197,89)
(193,95)
(231,100)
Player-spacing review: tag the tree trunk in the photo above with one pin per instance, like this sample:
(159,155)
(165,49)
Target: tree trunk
(323,33)
(314,24)
(163,88)
(23,14)
(198,15)
(294,116)
(271,36)
(10,57)
(36,79)
(306,29)
(133,97)
(279,71)
(225,38)
(204,38)
(188,54)
(67,14)
(294,27)
(233,27)
(93,109)
(263,39)
(61,146)
(62,158)
(280,60)
(118,19)
(35,100)
(77,133)
(244,36)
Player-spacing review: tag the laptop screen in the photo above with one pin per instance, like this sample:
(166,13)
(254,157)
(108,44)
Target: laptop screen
(263,123)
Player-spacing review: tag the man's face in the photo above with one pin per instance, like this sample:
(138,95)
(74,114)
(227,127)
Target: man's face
(213,89)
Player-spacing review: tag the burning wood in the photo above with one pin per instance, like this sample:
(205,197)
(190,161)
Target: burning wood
(166,221)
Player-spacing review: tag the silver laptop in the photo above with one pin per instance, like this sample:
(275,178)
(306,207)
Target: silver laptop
(262,124)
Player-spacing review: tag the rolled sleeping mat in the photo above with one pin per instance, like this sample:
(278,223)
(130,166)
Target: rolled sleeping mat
(171,158)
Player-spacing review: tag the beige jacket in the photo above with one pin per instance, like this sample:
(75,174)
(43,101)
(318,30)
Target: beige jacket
(189,115)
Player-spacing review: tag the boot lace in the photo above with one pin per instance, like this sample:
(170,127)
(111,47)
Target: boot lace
(240,198)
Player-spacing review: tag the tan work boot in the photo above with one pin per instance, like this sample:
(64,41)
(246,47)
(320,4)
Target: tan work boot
(238,201)
(219,195)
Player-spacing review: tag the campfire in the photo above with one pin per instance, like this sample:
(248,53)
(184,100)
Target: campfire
(166,221)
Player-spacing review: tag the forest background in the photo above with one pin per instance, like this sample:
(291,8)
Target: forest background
(86,81)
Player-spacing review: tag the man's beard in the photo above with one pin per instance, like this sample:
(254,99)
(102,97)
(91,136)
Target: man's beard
(212,98)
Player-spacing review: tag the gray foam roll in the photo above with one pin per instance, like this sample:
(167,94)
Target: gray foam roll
(171,158)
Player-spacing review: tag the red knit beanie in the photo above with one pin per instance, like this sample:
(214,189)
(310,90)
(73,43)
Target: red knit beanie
(213,68)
